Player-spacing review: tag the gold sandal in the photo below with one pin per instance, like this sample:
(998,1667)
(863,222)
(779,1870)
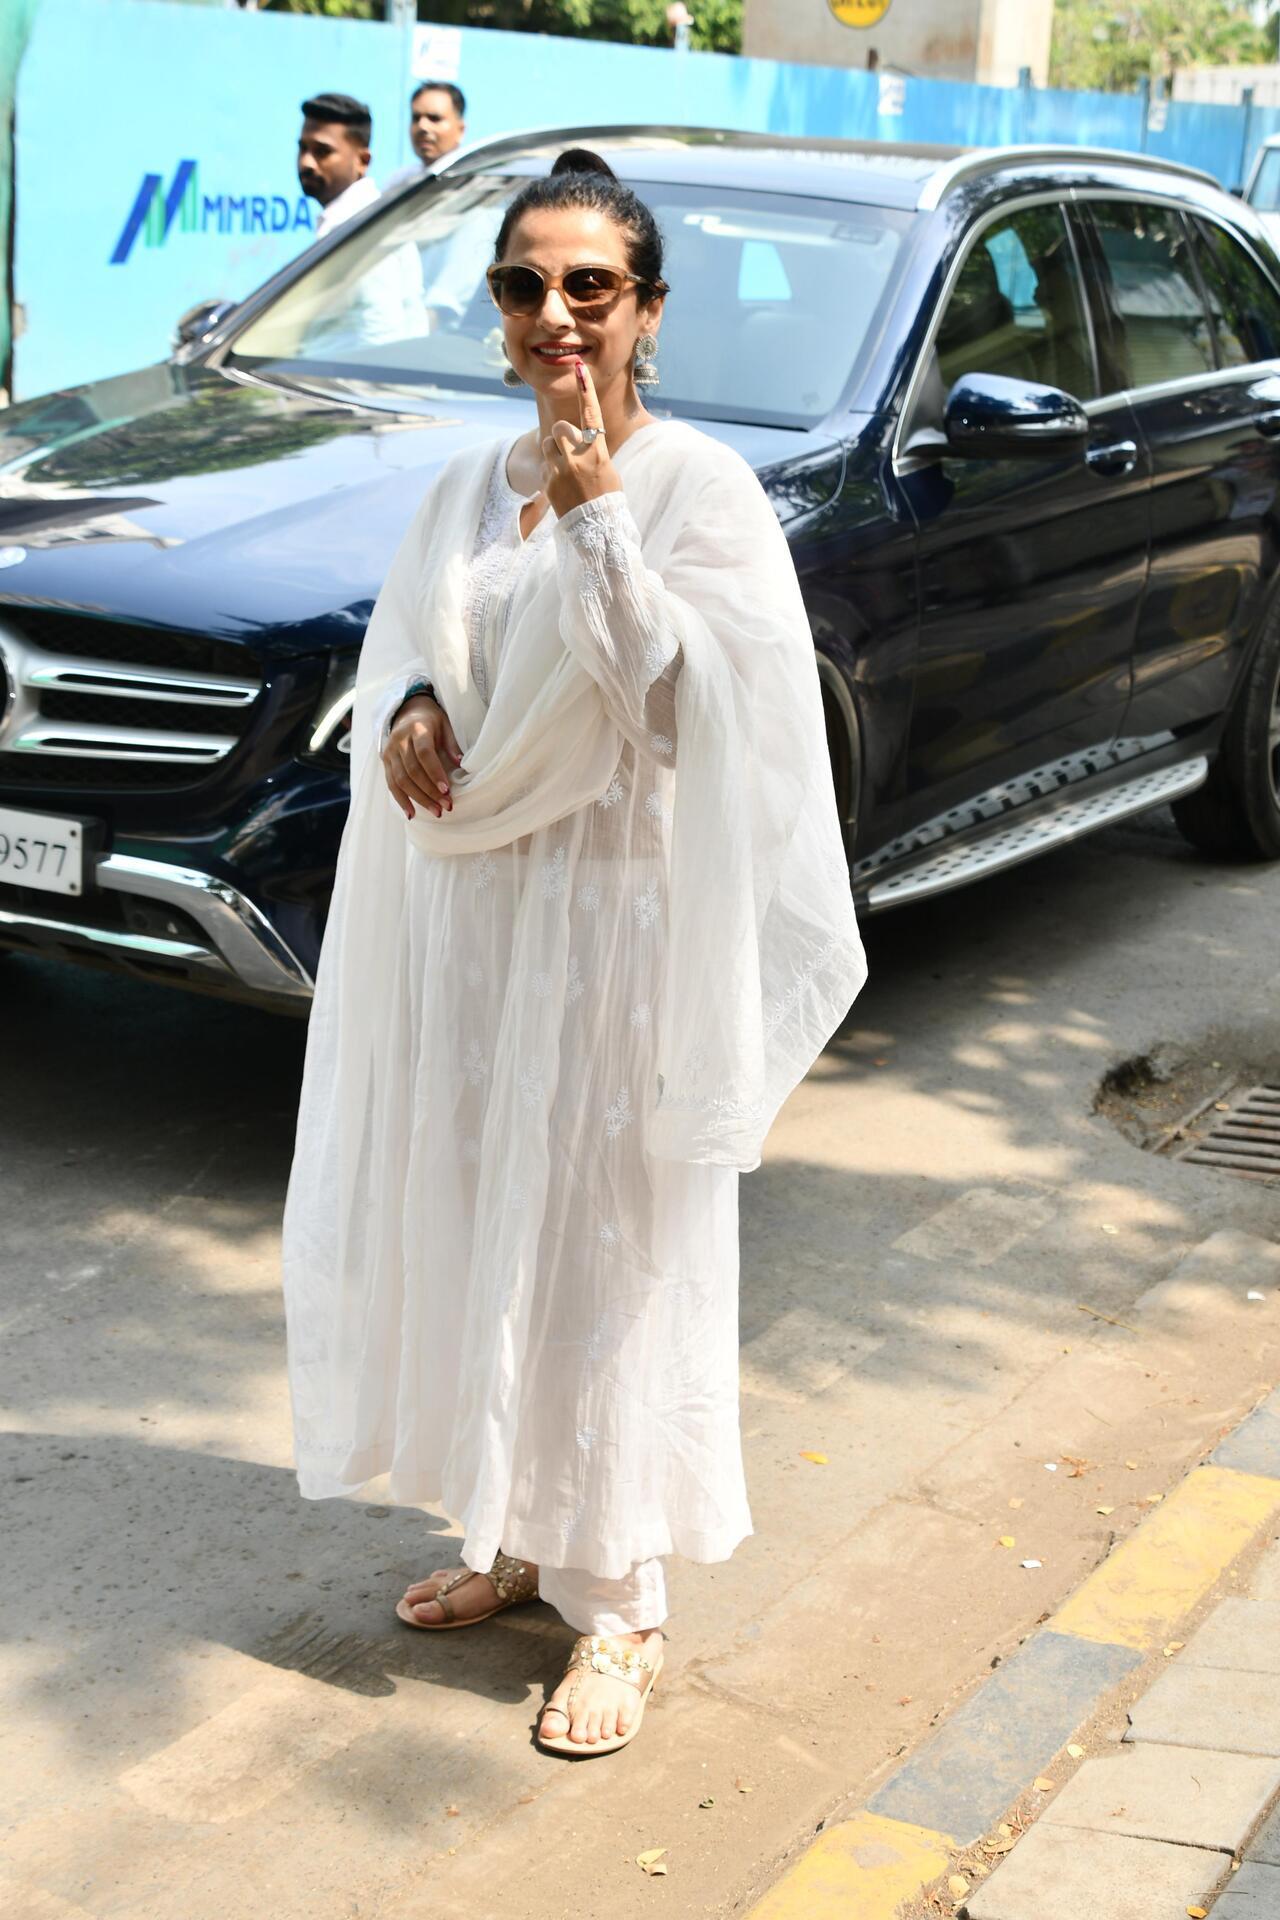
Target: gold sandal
(593,1653)
(512,1582)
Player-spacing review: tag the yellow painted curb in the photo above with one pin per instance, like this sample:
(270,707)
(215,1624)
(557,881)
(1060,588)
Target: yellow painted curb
(1147,1585)
(861,1870)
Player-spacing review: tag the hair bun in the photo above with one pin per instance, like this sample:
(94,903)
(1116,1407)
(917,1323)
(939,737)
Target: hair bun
(581,160)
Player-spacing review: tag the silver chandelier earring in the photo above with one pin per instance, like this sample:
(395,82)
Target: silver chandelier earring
(644,372)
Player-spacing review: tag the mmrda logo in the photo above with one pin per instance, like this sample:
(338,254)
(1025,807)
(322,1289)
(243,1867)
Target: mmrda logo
(157,210)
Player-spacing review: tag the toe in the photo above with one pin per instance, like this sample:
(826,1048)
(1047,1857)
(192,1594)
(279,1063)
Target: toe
(430,1612)
(608,1725)
(593,1728)
(422,1589)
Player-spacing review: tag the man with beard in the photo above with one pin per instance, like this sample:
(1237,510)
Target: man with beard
(333,158)
(383,302)
(437,122)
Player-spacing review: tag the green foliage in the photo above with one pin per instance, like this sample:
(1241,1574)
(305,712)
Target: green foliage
(717,24)
(329,9)
(1113,44)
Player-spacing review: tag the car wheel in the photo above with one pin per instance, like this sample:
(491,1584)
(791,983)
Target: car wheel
(1237,810)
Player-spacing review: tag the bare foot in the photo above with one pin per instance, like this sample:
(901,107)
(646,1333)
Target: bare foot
(468,1599)
(602,1705)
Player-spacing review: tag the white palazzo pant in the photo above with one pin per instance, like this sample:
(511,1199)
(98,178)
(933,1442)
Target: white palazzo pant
(591,1604)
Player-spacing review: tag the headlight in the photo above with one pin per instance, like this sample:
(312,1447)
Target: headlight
(330,741)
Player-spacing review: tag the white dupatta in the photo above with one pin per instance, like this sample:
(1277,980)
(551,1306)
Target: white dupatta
(763,956)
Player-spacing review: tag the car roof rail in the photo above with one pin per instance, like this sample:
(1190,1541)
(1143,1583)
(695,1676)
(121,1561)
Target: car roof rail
(981,160)
(496,145)
(953,168)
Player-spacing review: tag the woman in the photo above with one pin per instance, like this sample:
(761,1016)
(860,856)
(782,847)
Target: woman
(591,924)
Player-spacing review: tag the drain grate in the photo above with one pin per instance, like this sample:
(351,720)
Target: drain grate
(1245,1140)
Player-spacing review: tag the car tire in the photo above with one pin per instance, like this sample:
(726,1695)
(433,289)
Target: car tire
(1237,810)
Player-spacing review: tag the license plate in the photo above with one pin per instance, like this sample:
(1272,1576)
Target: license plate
(41,850)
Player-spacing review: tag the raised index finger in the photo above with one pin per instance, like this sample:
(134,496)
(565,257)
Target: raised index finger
(588,400)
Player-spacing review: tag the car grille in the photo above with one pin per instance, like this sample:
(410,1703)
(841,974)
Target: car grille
(90,703)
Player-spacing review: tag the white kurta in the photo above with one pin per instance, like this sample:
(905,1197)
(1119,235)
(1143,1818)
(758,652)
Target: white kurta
(524,1314)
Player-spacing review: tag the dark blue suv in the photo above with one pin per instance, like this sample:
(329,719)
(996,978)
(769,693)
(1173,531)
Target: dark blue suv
(1018,411)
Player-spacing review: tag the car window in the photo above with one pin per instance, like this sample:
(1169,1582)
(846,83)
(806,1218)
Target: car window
(1164,328)
(1264,190)
(1243,301)
(774,299)
(1016,307)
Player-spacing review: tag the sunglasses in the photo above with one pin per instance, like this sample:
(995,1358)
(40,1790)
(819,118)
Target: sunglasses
(520,291)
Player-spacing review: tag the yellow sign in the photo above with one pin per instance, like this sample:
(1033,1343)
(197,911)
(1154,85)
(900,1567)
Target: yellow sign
(859,13)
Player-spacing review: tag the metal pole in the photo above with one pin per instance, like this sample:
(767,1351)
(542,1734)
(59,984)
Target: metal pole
(1246,101)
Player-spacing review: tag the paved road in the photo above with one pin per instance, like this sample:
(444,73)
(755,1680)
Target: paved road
(209,1708)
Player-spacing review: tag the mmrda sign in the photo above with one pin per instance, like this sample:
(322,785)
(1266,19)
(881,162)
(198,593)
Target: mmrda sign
(158,210)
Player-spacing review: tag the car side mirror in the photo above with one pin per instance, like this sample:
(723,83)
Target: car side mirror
(198,322)
(992,417)
(1237,193)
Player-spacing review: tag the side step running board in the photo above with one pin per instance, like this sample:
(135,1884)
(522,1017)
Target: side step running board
(1023,839)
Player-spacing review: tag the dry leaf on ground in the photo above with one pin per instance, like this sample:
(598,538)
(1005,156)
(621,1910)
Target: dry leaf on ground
(818,1459)
(1042,1785)
(650,1861)
(957,1886)
(1076,1751)
(1105,1510)
(1015,1503)
(1006,1540)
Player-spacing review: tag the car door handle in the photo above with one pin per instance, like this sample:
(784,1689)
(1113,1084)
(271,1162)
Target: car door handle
(1268,422)
(1117,456)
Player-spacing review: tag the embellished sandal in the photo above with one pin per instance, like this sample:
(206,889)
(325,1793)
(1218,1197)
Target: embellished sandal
(594,1653)
(512,1582)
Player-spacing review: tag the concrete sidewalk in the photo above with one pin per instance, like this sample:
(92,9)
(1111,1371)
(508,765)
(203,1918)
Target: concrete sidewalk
(960,1282)
(1181,1818)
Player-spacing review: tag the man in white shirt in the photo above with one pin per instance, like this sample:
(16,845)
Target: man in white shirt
(333,158)
(437,123)
(378,299)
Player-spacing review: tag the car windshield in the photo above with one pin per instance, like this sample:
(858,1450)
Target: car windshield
(1264,188)
(773,300)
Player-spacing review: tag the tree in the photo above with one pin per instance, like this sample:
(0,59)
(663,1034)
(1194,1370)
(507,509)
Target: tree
(717,24)
(1113,44)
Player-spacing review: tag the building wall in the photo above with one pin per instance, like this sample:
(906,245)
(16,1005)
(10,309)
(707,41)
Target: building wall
(1015,34)
(1226,85)
(983,40)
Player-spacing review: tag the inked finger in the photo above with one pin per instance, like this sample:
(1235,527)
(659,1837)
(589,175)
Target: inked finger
(588,398)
